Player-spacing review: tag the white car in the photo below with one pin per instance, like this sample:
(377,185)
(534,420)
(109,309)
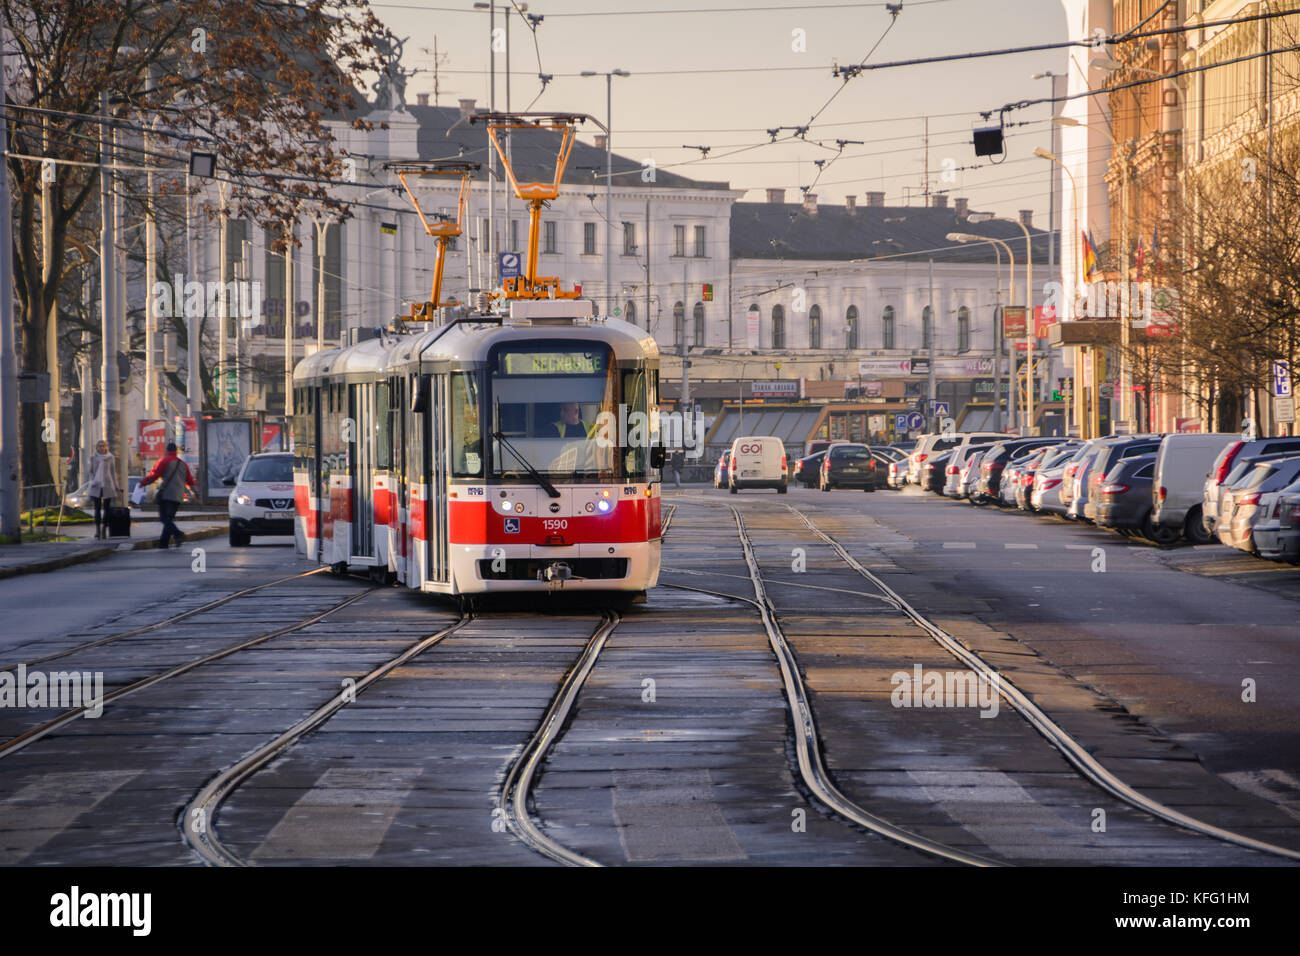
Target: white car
(261,502)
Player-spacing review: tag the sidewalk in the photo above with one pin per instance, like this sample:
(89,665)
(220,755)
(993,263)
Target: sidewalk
(35,557)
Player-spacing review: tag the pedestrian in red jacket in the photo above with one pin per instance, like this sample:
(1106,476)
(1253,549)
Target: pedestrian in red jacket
(174,475)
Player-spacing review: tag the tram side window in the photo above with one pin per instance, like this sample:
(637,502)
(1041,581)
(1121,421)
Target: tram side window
(636,398)
(466,437)
(383,443)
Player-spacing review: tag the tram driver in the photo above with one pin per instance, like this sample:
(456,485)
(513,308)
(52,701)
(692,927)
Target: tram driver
(571,424)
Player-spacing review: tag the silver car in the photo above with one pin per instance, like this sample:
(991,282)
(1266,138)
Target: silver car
(970,473)
(956,465)
(1250,501)
(1279,538)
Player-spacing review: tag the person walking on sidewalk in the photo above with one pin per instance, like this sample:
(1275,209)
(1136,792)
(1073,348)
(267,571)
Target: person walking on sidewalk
(174,475)
(103,486)
(677,461)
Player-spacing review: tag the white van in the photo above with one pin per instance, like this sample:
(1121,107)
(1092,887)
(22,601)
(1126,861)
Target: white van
(757,461)
(1178,486)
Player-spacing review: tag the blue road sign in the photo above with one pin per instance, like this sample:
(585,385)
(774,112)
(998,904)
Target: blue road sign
(900,421)
(941,409)
(512,526)
(1282,379)
(509,265)
(915,420)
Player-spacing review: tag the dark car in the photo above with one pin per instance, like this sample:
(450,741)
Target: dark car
(807,470)
(996,459)
(848,465)
(935,471)
(1123,499)
(1112,451)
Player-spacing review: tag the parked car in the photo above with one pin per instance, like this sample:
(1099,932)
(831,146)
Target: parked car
(757,461)
(970,473)
(997,458)
(1123,500)
(1070,473)
(1047,476)
(1079,483)
(1025,482)
(931,444)
(1280,540)
(957,464)
(934,471)
(895,473)
(1238,473)
(1252,498)
(1183,464)
(848,465)
(1226,462)
(720,472)
(1111,451)
(814,445)
(885,456)
(807,470)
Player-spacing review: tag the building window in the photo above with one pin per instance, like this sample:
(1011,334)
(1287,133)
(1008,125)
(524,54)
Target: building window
(851,328)
(927,328)
(701,242)
(778,327)
(699,324)
(887,328)
(815,327)
(549,237)
(629,314)
(963,329)
(588,238)
(679,324)
(629,238)
(679,240)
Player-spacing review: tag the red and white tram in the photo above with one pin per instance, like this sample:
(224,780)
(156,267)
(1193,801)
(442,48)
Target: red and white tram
(510,452)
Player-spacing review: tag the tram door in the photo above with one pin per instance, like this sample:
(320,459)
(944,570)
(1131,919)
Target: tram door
(436,451)
(361,408)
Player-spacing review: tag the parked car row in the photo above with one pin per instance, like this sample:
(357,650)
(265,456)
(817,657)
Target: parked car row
(1245,494)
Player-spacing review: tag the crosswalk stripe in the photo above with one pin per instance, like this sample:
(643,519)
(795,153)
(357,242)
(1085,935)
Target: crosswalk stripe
(39,811)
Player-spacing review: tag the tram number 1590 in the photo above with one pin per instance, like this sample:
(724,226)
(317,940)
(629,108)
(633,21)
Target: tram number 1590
(555,524)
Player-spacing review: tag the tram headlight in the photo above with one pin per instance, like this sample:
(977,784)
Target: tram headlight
(603,506)
(507,506)
(590,507)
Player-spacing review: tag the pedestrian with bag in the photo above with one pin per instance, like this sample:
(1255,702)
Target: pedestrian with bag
(174,475)
(102,488)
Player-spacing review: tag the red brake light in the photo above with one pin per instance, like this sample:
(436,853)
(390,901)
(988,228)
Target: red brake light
(1250,499)
(1226,465)
(873,465)
(1096,479)
(1114,489)
(953,469)
(1164,492)
(783,465)
(921,458)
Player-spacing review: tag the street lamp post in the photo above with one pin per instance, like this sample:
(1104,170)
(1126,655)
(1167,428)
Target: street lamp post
(1076,406)
(609,183)
(1027,421)
(997,326)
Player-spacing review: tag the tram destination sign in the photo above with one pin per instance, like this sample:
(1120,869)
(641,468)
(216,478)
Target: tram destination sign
(553,363)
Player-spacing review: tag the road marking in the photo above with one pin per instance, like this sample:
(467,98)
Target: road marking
(1020,547)
(1276,786)
(344,817)
(1080,547)
(40,811)
(671,817)
(959,544)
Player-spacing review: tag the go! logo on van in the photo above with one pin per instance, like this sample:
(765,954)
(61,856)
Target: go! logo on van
(750,449)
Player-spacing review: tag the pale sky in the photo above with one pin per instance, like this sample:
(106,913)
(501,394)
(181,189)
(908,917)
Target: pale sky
(660,108)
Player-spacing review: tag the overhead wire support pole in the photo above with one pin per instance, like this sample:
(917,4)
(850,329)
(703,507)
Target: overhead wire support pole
(10,503)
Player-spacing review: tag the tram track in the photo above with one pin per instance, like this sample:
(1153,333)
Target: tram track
(158,625)
(811,765)
(1073,750)
(199,818)
(33,734)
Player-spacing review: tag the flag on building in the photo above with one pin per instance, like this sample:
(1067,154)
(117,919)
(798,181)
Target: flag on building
(1089,257)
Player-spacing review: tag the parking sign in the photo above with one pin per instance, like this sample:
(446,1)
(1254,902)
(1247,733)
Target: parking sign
(1282,378)
(900,421)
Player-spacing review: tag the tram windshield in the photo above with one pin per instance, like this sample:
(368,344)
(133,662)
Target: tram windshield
(558,404)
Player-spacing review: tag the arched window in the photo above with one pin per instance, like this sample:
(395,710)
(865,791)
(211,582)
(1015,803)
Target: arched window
(963,329)
(679,324)
(927,327)
(629,314)
(887,328)
(815,327)
(778,327)
(699,324)
(851,328)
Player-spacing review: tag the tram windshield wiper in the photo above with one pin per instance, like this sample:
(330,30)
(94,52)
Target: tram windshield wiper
(533,472)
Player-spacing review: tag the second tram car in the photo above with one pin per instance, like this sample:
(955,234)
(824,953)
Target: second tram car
(501,452)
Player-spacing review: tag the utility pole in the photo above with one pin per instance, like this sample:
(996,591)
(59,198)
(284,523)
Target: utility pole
(107,288)
(52,404)
(289,318)
(193,383)
(119,322)
(223,298)
(151,409)
(9,494)
(930,416)
(997,344)
(322,226)
(647,264)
